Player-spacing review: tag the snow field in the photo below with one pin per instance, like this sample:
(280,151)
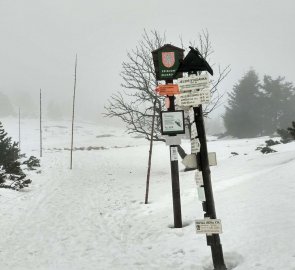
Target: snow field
(93,217)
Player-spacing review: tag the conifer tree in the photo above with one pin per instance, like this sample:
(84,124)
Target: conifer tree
(11,173)
(241,118)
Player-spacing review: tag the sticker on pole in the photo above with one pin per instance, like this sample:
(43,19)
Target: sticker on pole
(208,226)
(173,154)
(199,178)
(201,194)
(195,146)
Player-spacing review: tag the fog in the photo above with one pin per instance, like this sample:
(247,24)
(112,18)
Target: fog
(39,41)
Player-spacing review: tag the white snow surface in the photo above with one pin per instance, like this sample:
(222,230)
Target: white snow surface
(94,216)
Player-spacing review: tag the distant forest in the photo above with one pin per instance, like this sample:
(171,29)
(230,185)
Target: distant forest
(259,107)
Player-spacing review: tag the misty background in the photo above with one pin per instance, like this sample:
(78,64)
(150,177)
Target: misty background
(39,41)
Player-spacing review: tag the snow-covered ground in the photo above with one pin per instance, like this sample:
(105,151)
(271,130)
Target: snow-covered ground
(93,217)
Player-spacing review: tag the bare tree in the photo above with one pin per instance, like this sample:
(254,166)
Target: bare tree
(134,105)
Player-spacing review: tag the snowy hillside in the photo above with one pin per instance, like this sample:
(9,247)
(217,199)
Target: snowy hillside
(93,217)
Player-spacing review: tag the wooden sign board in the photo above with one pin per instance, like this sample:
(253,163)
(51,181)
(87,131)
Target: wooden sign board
(193,83)
(195,98)
(166,61)
(172,123)
(208,226)
(167,89)
(190,161)
(189,99)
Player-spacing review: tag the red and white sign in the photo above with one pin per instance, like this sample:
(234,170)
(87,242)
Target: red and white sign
(167,89)
(168,59)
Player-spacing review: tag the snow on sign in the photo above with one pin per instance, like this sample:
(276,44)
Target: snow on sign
(208,226)
(172,123)
(193,83)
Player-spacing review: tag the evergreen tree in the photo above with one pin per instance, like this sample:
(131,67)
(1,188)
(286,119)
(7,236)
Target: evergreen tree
(277,104)
(242,118)
(11,174)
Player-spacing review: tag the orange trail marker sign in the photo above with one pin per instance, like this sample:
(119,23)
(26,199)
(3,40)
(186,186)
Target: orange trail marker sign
(167,89)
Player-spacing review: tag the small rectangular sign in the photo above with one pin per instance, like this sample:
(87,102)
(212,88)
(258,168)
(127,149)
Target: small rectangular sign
(172,123)
(190,161)
(173,140)
(189,99)
(195,146)
(173,154)
(201,194)
(167,89)
(212,159)
(199,178)
(193,83)
(208,226)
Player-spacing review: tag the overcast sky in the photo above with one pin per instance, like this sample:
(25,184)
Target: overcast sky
(39,40)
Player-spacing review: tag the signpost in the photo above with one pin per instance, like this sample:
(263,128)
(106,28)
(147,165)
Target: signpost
(166,61)
(195,92)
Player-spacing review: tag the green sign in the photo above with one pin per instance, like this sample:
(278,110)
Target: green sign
(166,61)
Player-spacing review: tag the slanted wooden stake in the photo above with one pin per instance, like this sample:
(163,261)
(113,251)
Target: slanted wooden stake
(150,157)
(40,122)
(73,115)
(19,129)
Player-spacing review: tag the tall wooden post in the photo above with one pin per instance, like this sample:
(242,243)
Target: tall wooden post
(175,176)
(19,129)
(40,122)
(73,115)
(150,156)
(208,206)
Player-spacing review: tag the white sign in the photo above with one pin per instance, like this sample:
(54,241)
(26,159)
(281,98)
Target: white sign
(212,159)
(189,99)
(173,140)
(201,194)
(173,154)
(190,161)
(208,226)
(194,132)
(172,122)
(195,146)
(204,94)
(193,82)
(199,178)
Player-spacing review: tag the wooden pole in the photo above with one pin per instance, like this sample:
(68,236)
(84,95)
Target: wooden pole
(40,122)
(150,156)
(73,115)
(19,129)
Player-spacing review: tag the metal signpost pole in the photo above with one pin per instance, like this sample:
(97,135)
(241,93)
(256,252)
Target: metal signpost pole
(208,206)
(175,178)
